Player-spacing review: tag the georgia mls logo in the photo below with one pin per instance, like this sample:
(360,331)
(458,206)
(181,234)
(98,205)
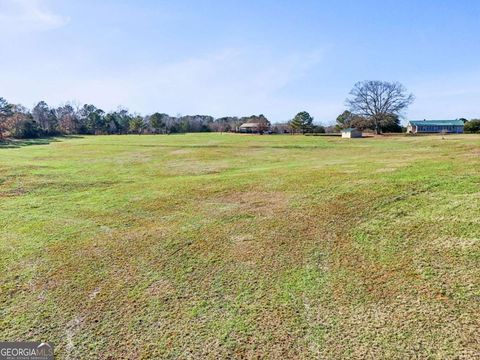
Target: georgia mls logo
(26,351)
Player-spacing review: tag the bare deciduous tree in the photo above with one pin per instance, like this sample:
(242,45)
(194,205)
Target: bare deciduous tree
(379,101)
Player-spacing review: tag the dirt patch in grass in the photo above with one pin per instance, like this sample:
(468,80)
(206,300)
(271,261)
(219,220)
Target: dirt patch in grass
(259,203)
(181,152)
(257,227)
(192,167)
(161,288)
(243,247)
(13,193)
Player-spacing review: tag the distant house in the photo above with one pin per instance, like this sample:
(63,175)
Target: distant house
(255,125)
(351,133)
(435,126)
(250,128)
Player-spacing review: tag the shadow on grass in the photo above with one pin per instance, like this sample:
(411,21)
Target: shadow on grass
(18,143)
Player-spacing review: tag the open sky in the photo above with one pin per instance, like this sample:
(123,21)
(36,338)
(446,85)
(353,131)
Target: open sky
(242,57)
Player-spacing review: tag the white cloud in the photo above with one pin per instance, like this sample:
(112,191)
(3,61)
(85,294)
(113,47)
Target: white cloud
(28,15)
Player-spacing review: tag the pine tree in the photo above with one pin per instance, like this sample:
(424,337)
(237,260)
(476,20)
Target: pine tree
(5,112)
(302,121)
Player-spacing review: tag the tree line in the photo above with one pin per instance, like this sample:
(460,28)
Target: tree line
(17,121)
(374,105)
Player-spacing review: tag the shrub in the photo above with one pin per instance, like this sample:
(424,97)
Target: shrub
(473,126)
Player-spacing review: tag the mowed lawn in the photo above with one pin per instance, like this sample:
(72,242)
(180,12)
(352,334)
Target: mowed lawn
(228,246)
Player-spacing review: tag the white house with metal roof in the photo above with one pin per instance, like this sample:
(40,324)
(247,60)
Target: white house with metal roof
(435,126)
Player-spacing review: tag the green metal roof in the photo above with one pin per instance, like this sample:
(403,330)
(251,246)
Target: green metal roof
(437,122)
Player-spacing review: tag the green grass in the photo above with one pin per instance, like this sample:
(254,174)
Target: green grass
(230,246)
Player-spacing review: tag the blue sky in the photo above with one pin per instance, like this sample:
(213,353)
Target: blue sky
(240,57)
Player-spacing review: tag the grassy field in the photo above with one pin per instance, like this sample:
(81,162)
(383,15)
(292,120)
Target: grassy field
(228,246)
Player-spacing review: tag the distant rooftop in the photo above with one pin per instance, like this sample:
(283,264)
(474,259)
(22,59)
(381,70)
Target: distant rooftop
(250,125)
(437,122)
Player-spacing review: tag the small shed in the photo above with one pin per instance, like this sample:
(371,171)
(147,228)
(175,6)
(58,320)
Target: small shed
(351,133)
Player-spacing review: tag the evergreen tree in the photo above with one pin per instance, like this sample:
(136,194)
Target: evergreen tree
(158,121)
(302,122)
(137,125)
(5,112)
